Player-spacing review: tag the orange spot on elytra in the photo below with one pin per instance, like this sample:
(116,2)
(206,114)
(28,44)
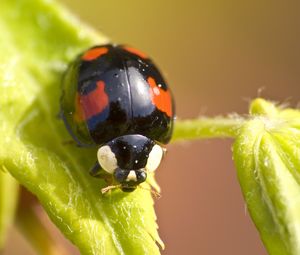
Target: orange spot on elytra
(91,104)
(135,51)
(160,98)
(94,53)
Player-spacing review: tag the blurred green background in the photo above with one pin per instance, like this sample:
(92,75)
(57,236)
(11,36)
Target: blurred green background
(216,56)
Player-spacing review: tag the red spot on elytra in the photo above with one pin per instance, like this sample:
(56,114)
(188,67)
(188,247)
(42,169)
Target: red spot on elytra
(135,52)
(160,98)
(91,104)
(94,53)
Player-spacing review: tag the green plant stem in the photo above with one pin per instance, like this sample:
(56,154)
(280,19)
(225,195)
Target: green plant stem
(203,128)
(33,229)
(9,190)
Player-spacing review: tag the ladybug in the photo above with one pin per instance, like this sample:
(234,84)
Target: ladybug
(114,98)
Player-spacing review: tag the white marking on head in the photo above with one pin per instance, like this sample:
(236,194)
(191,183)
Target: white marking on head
(154,158)
(107,159)
(131,176)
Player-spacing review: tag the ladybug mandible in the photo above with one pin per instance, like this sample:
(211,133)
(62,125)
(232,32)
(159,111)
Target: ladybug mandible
(115,98)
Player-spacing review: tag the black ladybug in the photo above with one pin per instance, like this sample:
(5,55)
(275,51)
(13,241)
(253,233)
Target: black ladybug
(114,97)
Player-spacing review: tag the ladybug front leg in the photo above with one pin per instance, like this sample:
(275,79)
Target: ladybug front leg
(98,172)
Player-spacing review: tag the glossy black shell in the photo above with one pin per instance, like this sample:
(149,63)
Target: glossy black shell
(127,107)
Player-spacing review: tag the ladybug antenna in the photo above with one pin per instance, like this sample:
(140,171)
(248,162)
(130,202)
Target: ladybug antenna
(153,192)
(108,188)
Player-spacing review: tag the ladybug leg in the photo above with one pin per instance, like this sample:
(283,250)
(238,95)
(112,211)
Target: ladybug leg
(75,143)
(68,142)
(96,170)
(60,115)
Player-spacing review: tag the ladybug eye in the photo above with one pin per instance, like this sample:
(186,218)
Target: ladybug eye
(107,159)
(154,158)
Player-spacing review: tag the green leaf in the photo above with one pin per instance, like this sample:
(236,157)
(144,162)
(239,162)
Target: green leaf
(267,157)
(39,39)
(8,199)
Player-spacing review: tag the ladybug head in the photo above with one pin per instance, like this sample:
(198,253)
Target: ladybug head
(129,158)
